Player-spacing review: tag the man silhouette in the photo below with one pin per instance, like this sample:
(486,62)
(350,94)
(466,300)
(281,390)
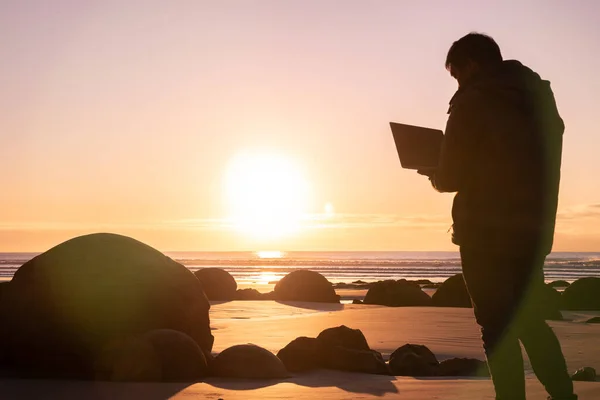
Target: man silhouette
(501,153)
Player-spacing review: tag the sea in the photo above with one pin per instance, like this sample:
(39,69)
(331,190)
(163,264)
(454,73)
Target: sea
(267,267)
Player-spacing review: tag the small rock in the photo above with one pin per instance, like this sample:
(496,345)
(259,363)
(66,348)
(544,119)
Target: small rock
(586,374)
(357,301)
(396,294)
(305,285)
(413,360)
(248,294)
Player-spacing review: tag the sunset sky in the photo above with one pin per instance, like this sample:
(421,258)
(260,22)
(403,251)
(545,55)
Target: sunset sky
(263,125)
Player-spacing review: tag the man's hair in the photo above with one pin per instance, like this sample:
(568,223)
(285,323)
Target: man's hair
(476,47)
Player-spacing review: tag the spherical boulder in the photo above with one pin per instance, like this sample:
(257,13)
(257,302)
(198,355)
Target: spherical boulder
(248,361)
(162,355)
(413,360)
(301,354)
(396,294)
(65,305)
(583,294)
(344,337)
(217,283)
(248,294)
(305,285)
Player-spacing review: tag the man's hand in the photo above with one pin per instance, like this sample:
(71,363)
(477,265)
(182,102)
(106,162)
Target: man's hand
(428,172)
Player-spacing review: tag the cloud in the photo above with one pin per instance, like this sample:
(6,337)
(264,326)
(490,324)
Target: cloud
(310,221)
(580,211)
(582,219)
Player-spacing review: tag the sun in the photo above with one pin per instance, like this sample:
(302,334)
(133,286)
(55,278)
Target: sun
(266,194)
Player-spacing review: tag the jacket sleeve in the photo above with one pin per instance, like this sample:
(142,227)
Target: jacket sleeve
(459,146)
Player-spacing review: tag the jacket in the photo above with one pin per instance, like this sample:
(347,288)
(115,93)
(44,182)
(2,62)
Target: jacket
(501,153)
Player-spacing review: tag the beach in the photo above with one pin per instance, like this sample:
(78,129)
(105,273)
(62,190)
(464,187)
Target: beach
(448,332)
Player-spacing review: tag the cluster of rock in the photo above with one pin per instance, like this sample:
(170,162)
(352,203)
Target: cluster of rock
(306,285)
(300,285)
(418,360)
(339,348)
(583,294)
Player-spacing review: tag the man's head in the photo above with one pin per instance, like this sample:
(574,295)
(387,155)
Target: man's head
(470,54)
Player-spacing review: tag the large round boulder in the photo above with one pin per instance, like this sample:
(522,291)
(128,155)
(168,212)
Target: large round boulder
(583,294)
(452,293)
(64,306)
(305,285)
(162,355)
(396,294)
(413,360)
(217,283)
(248,294)
(248,361)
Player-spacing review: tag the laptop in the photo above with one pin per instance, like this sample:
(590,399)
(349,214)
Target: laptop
(418,147)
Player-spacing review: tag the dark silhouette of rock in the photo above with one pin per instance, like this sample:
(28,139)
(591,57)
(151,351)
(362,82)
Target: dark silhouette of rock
(347,359)
(583,294)
(248,361)
(585,374)
(359,282)
(339,348)
(268,296)
(559,284)
(88,292)
(357,301)
(452,293)
(248,294)
(413,360)
(463,367)
(162,355)
(396,294)
(217,283)
(594,320)
(301,354)
(343,336)
(305,285)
